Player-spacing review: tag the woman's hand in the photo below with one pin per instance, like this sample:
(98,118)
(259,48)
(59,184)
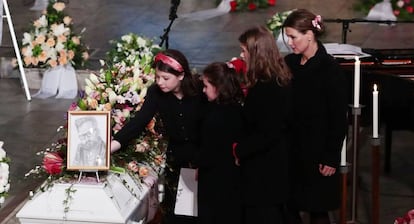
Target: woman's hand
(326,170)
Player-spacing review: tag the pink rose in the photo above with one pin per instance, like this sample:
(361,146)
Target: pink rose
(233,6)
(271,2)
(399,220)
(251,6)
(52,163)
(133,166)
(410,214)
(143,171)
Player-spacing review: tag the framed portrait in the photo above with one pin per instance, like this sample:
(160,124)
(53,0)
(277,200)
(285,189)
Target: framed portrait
(88,146)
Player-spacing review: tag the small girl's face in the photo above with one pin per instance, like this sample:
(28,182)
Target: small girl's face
(209,90)
(168,82)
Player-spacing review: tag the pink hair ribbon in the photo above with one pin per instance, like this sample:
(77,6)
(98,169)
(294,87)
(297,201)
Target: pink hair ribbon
(316,22)
(169,61)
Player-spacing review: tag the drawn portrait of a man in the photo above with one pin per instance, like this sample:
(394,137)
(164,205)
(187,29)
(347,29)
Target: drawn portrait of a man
(88,145)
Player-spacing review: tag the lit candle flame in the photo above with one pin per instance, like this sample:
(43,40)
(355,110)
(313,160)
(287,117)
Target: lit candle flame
(375,87)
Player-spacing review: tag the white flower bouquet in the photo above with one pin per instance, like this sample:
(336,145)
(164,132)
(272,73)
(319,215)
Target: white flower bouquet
(276,21)
(52,42)
(4,174)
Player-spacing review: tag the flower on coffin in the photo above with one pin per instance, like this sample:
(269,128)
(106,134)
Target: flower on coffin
(52,42)
(407,219)
(275,23)
(402,9)
(4,174)
(52,163)
(251,5)
(53,166)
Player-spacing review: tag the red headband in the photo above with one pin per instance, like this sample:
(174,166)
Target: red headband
(169,61)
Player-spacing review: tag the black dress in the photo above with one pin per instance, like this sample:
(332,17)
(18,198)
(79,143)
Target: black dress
(219,178)
(263,151)
(319,127)
(181,119)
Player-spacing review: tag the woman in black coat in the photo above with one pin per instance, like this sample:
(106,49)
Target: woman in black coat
(218,175)
(319,119)
(262,152)
(178,99)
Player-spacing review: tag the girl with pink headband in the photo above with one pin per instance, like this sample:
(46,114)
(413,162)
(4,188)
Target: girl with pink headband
(178,99)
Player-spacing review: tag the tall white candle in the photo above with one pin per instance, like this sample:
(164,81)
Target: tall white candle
(343,153)
(356,81)
(375,112)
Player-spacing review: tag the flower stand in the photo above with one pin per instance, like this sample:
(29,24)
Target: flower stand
(60,80)
(119,199)
(35,76)
(280,42)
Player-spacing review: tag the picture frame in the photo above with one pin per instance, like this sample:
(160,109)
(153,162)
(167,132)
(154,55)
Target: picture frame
(89,135)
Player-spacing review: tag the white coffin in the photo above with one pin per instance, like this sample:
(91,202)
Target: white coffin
(117,200)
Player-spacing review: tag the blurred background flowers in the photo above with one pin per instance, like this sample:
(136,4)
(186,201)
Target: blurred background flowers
(51,40)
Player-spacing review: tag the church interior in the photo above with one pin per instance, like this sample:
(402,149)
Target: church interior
(29,125)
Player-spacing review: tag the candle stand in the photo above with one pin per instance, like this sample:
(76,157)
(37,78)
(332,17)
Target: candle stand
(344,173)
(375,143)
(356,112)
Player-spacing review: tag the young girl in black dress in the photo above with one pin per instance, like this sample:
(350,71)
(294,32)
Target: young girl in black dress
(178,99)
(218,175)
(263,150)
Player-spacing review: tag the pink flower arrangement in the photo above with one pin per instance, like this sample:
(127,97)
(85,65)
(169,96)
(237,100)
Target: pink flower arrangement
(408,218)
(119,87)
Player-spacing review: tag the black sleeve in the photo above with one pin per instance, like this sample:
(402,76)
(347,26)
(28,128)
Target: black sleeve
(137,124)
(337,114)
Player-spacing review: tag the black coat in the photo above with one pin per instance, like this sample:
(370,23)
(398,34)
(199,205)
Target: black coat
(319,127)
(219,177)
(263,148)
